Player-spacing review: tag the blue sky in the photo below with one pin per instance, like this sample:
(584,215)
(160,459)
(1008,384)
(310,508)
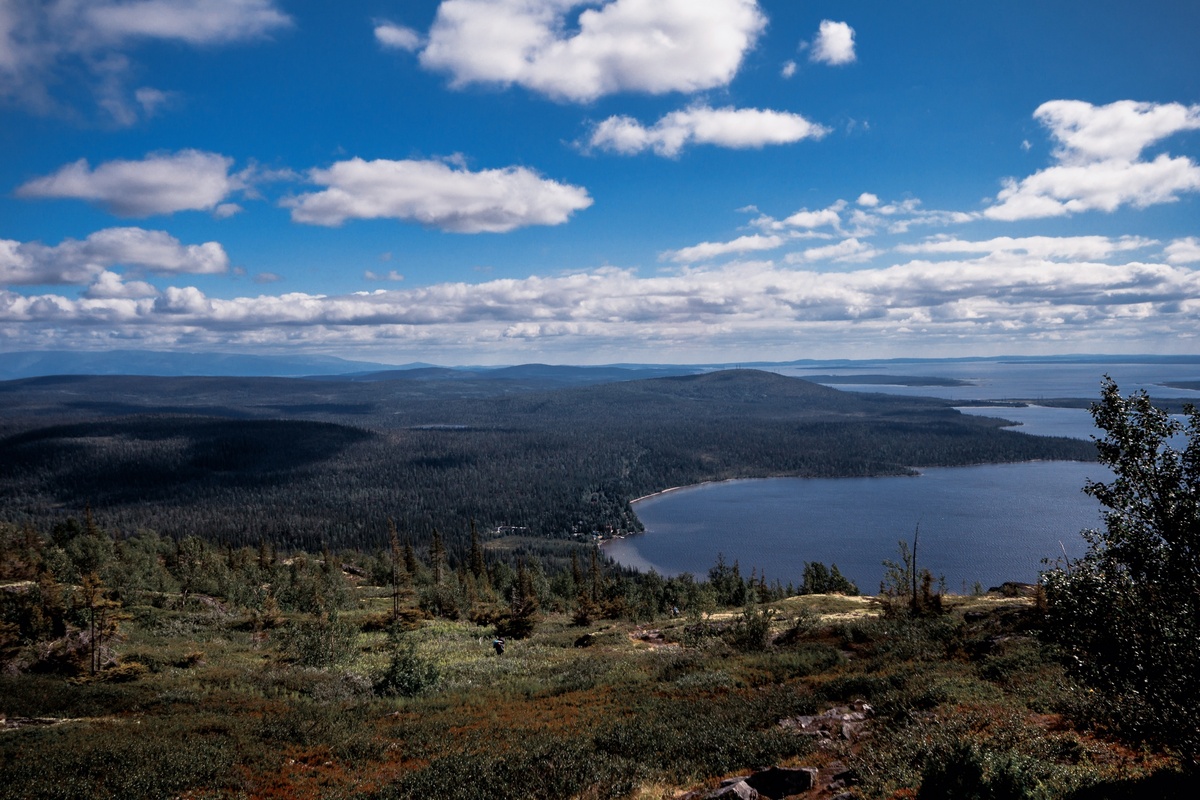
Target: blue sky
(506,181)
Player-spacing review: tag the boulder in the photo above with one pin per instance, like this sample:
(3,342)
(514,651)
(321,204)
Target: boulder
(779,782)
(731,790)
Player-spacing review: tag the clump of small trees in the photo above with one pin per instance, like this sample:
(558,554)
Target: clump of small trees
(1127,614)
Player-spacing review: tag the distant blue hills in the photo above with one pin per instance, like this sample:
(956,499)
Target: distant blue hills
(41,363)
(35,364)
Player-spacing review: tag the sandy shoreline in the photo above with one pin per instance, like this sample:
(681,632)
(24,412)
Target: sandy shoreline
(678,488)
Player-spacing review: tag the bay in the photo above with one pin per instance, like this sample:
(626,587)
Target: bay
(986,524)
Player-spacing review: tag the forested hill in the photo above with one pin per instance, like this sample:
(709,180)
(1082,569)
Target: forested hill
(306,462)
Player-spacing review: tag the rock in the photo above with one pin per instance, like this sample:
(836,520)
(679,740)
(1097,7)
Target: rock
(778,782)
(851,730)
(846,722)
(739,789)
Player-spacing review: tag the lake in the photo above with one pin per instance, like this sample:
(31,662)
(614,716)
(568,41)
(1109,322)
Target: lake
(990,523)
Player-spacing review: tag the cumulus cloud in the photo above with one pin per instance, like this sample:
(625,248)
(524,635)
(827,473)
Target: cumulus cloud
(834,44)
(709,250)
(436,194)
(397,37)
(1120,130)
(1100,164)
(110,285)
(725,127)
(844,252)
(1056,247)
(651,46)
(870,217)
(1010,296)
(803,220)
(69,42)
(1183,251)
(158,184)
(788,69)
(79,262)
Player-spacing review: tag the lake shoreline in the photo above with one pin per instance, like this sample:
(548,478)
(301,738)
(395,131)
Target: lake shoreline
(985,522)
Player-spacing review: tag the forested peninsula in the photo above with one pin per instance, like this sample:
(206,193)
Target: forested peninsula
(327,462)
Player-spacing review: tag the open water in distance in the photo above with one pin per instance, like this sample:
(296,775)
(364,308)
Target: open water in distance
(989,523)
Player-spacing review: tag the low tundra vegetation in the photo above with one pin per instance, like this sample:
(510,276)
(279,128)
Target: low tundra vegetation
(247,674)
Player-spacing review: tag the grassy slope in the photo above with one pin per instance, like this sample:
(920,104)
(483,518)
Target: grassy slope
(222,713)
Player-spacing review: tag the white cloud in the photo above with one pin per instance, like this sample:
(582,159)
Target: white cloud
(1100,165)
(78,262)
(1100,186)
(397,37)
(51,43)
(436,194)
(788,69)
(1120,130)
(652,46)
(158,184)
(1049,247)
(869,218)
(834,43)
(110,285)
(1011,298)
(151,99)
(738,128)
(844,252)
(1183,251)
(709,250)
(192,21)
(824,217)
(390,275)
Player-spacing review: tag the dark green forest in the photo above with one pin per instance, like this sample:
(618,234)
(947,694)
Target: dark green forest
(311,463)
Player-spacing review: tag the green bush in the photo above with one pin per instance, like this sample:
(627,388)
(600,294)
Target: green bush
(407,674)
(324,641)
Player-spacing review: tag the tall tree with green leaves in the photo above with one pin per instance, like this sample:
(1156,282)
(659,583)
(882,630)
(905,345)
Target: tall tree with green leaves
(1128,613)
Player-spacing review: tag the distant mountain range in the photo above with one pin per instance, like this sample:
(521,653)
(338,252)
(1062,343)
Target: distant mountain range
(33,364)
(40,363)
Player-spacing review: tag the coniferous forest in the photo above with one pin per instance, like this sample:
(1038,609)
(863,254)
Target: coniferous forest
(311,463)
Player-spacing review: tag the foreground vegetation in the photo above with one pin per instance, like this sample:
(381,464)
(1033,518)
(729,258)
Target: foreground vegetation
(160,669)
(142,666)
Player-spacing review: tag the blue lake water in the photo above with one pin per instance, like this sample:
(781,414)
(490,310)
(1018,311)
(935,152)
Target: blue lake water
(1002,380)
(989,523)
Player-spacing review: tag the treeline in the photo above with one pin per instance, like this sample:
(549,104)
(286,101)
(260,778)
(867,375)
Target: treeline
(64,590)
(556,464)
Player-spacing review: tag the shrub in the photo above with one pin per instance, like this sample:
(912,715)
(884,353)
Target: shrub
(751,630)
(407,674)
(325,641)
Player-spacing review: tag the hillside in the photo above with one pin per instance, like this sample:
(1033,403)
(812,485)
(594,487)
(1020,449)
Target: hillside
(304,462)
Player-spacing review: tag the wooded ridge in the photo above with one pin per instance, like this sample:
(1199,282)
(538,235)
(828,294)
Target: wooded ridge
(310,462)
